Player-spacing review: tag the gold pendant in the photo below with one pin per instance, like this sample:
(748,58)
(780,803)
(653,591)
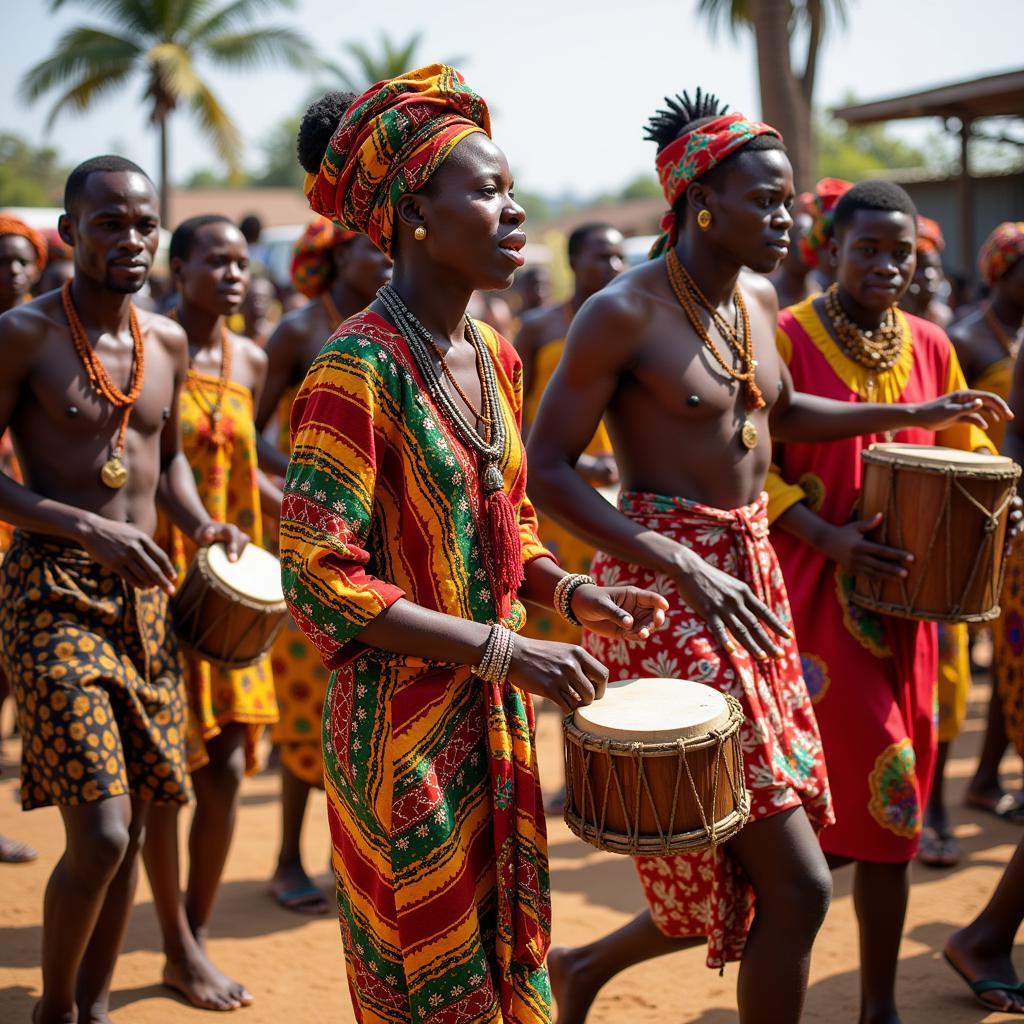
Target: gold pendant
(748,435)
(114,473)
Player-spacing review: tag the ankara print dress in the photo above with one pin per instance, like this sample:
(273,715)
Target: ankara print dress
(434,804)
(871,677)
(224,468)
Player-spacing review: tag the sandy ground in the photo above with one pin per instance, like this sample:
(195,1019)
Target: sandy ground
(294,965)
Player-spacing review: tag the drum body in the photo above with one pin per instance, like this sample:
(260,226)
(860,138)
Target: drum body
(948,508)
(655,768)
(229,613)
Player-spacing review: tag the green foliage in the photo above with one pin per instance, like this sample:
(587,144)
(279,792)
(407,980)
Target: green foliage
(280,165)
(162,41)
(854,153)
(29,176)
(366,66)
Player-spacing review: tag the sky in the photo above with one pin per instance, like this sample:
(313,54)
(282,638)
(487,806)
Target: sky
(570,83)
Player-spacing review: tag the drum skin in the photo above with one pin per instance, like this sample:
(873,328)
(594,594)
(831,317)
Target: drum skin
(221,625)
(656,798)
(950,510)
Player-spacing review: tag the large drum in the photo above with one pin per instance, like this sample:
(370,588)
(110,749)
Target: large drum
(655,768)
(950,510)
(229,613)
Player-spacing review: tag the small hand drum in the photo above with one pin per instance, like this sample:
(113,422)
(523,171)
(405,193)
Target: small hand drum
(229,613)
(655,768)
(950,509)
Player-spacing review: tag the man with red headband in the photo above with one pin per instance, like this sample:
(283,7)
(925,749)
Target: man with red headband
(339,271)
(678,355)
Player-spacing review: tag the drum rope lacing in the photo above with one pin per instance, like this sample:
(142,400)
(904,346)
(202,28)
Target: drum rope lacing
(944,526)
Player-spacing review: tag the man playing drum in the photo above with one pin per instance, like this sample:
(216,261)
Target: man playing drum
(679,358)
(89,389)
(872,677)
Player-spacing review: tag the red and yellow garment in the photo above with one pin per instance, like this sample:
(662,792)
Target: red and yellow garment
(871,677)
(225,476)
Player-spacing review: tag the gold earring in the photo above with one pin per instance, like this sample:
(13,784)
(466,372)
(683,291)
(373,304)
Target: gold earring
(420,233)
(704,220)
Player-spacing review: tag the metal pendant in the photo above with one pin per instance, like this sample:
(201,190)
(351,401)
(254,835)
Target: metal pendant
(748,435)
(114,473)
(493,480)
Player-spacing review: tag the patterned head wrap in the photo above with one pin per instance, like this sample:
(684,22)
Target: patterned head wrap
(12,226)
(929,235)
(1001,250)
(390,141)
(822,208)
(693,155)
(313,255)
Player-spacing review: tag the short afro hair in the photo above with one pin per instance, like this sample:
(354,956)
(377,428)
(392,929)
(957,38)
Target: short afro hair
(108,164)
(579,236)
(184,238)
(318,124)
(885,196)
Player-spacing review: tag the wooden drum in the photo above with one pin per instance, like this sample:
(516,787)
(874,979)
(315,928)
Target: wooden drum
(655,768)
(229,613)
(948,508)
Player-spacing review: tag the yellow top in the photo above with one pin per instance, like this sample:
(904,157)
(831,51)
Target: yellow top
(998,378)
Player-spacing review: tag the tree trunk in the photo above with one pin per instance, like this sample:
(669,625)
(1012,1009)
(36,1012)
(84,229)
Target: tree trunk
(164,184)
(783,102)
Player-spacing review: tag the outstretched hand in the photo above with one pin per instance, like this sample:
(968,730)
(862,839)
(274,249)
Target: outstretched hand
(624,613)
(981,408)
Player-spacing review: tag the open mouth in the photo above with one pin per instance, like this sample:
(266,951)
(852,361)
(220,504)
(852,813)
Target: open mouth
(512,246)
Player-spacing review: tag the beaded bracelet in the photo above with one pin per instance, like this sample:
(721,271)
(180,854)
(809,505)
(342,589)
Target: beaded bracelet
(565,588)
(497,659)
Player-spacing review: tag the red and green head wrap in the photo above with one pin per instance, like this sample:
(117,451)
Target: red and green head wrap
(693,155)
(13,226)
(390,141)
(822,208)
(313,255)
(929,235)
(1001,250)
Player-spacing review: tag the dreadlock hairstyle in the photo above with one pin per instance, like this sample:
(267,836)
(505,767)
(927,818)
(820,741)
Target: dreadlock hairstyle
(682,115)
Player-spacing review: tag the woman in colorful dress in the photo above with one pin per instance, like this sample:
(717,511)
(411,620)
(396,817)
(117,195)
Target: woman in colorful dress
(228,710)
(407,543)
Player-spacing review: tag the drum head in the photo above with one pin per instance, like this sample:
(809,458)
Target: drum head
(934,456)
(256,576)
(654,711)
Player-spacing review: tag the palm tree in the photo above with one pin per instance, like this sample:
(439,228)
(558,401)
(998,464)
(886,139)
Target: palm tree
(162,40)
(786,95)
(392,60)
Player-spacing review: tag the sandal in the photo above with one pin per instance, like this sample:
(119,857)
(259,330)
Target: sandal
(14,852)
(937,850)
(983,986)
(1007,808)
(306,899)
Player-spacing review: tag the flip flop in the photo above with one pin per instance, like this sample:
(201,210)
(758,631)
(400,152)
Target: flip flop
(307,899)
(983,986)
(14,852)
(937,850)
(1006,808)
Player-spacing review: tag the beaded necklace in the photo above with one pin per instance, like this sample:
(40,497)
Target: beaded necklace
(214,411)
(877,350)
(739,338)
(113,473)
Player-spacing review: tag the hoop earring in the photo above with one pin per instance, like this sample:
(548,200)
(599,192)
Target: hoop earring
(420,233)
(704,220)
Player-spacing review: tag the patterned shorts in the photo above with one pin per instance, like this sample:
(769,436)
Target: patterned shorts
(96,678)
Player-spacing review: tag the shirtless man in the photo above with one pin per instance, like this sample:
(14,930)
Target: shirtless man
(83,591)
(340,272)
(657,354)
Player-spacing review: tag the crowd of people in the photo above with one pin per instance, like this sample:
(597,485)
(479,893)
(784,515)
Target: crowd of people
(694,427)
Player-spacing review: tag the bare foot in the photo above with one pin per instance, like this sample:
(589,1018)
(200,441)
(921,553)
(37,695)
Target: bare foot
(974,965)
(295,890)
(572,989)
(40,1016)
(203,985)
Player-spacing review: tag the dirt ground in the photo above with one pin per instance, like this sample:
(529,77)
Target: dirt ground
(294,966)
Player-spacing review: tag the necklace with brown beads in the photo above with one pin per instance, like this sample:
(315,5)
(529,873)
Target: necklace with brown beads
(878,350)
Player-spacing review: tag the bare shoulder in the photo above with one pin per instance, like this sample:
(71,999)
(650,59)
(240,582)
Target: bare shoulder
(625,304)
(245,349)
(540,326)
(170,334)
(759,290)
(28,326)
(965,331)
(292,328)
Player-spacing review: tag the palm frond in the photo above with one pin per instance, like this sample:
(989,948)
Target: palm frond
(80,52)
(172,66)
(135,15)
(342,78)
(219,128)
(230,16)
(87,90)
(731,15)
(259,47)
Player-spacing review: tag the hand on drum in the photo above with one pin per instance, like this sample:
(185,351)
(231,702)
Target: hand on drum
(623,613)
(849,547)
(233,539)
(129,552)
(562,673)
(729,607)
(981,408)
